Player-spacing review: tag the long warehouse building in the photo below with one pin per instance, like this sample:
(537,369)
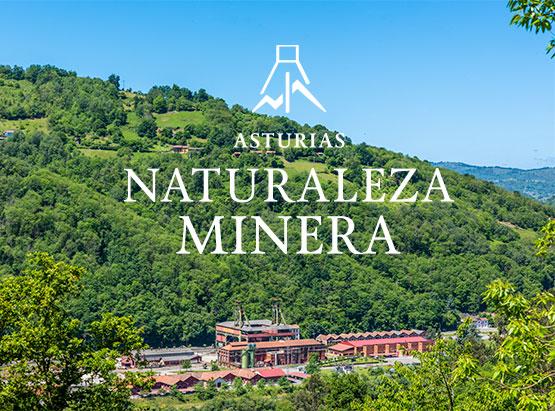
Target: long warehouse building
(386,347)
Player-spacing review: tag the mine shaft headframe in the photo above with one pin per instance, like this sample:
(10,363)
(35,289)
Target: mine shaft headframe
(240,316)
(277,314)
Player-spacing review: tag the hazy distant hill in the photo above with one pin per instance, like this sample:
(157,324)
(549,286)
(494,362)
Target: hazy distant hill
(538,183)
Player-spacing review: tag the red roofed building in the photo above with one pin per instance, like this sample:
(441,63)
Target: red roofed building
(298,376)
(186,382)
(177,381)
(388,347)
(329,339)
(271,373)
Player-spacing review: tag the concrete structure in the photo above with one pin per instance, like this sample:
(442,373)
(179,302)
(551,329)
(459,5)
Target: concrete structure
(330,339)
(163,357)
(254,331)
(272,353)
(380,347)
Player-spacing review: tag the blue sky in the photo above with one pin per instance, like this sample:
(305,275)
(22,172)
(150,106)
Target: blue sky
(441,80)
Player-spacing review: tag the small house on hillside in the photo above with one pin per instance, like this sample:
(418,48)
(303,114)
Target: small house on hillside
(478,321)
(481,322)
(184,149)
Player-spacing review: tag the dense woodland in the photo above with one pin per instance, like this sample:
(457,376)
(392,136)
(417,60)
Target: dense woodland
(63,184)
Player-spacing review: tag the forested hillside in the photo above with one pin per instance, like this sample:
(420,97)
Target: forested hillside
(538,183)
(63,186)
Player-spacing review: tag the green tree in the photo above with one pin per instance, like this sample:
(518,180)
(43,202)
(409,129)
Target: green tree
(261,385)
(548,240)
(347,391)
(312,395)
(429,386)
(114,79)
(210,391)
(159,105)
(147,128)
(238,387)
(535,15)
(313,365)
(48,362)
(467,333)
(186,364)
(285,384)
(524,367)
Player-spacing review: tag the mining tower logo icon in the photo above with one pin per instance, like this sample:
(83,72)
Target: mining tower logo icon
(287,58)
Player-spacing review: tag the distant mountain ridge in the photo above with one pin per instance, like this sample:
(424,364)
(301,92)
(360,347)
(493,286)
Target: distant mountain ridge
(537,183)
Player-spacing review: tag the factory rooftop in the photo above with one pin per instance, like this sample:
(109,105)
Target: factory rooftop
(256,325)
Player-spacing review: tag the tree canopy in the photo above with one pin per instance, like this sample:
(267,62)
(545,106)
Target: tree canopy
(49,361)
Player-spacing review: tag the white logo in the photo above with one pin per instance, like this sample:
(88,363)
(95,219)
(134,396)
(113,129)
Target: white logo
(290,88)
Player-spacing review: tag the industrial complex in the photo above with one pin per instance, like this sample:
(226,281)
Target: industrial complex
(266,343)
(269,350)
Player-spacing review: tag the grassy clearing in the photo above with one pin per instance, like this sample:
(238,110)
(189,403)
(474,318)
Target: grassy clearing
(191,401)
(173,120)
(89,152)
(133,119)
(527,235)
(178,119)
(303,167)
(29,126)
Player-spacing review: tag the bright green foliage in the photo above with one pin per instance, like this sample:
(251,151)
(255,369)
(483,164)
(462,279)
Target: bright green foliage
(430,386)
(313,365)
(548,239)
(312,396)
(261,385)
(48,362)
(524,366)
(534,15)
(186,364)
(285,384)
